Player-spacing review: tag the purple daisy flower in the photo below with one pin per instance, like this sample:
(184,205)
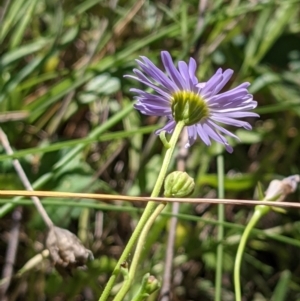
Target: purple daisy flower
(179,96)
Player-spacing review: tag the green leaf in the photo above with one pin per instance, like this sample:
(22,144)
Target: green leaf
(282,288)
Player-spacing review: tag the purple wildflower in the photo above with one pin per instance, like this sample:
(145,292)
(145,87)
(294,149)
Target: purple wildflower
(201,107)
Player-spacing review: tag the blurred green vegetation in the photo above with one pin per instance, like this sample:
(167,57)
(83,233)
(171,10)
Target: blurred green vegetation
(68,114)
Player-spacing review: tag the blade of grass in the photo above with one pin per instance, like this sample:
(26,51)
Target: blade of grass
(15,12)
(86,141)
(73,152)
(18,33)
(282,287)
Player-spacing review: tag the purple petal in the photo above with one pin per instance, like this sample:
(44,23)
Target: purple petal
(192,71)
(151,98)
(203,134)
(157,74)
(233,107)
(169,127)
(225,78)
(151,110)
(172,71)
(183,69)
(239,114)
(234,122)
(211,83)
(228,97)
(192,135)
(221,129)
(143,79)
(217,137)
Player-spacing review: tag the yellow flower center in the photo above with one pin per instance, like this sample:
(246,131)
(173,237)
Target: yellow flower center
(189,107)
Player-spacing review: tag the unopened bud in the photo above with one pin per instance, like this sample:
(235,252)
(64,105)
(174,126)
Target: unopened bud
(278,190)
(152,285)
(178,184)
(148,286)
(66,250)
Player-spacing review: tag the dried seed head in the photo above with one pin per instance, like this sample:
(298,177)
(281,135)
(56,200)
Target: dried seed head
(66,250)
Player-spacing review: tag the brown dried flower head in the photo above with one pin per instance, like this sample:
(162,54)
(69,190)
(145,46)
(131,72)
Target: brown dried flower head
(66,250)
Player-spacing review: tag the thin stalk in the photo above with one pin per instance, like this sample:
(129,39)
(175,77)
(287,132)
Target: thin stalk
(25,181)
(272,233)
(169,257)
(138,251)
(220,249)
(132,199)
(260,211)
(150,208)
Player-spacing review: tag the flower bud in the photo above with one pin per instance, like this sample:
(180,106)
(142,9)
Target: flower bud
(66,250)
(178,184)
(148,286)
(151,285)
(278,190)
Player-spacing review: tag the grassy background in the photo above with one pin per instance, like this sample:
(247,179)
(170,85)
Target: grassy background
(67,112)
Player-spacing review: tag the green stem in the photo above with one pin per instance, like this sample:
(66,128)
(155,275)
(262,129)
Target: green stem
(139,297)
(260,211)
(147,212)
(142,295)
(138,251)
(220,248)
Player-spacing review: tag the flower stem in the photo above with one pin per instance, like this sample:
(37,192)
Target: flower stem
(260,210)
(138,251)
(220,249)
(149,210)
